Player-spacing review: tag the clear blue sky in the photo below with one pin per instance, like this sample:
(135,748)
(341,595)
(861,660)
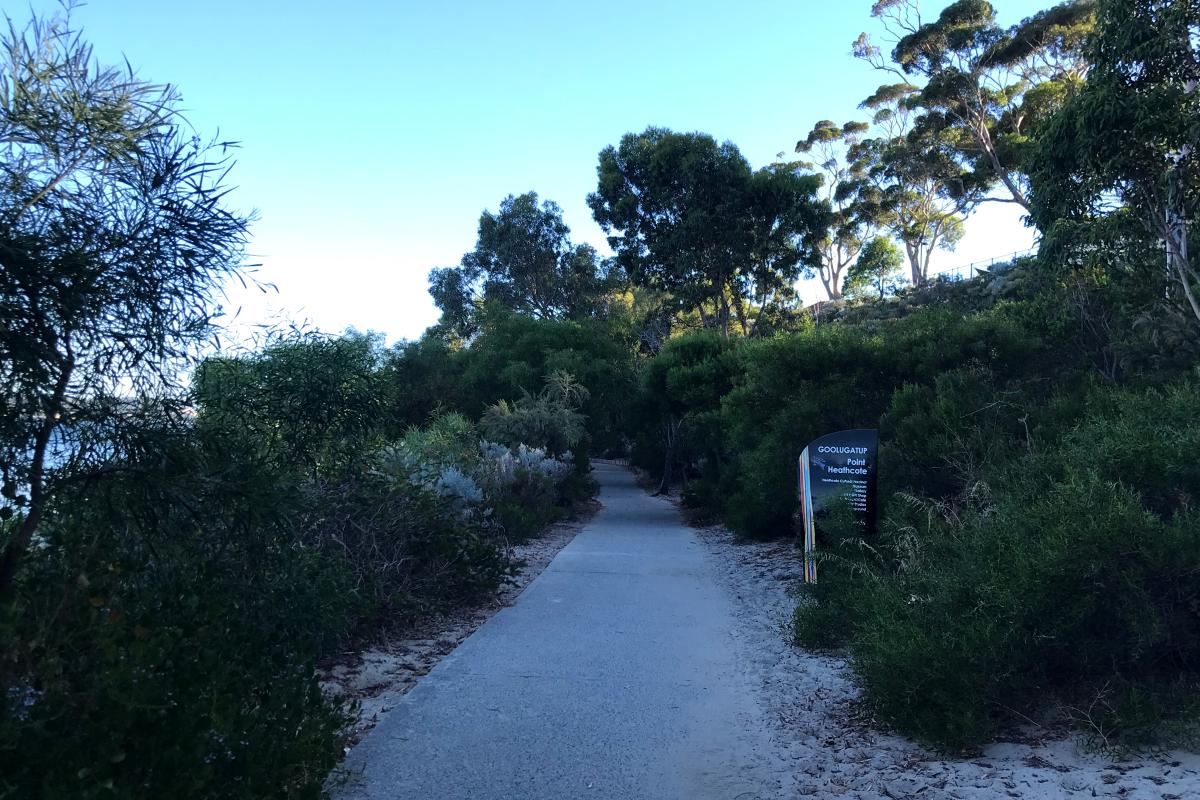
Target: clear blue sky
(374,133)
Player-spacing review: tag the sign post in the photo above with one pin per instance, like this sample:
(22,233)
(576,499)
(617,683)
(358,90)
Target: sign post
(841,464)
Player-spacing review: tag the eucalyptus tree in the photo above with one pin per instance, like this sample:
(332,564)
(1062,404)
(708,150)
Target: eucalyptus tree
(523,261)
(877,269)
(1116,168)
(114,236)
(687,216)
(984,86)
(788,225)
(845,188)
(919,190)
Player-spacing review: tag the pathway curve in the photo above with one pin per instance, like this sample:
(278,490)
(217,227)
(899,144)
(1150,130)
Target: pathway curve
(613,676)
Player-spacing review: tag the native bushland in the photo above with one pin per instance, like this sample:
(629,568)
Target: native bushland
(1037,530)
(184,538)
(174,562)
(1037,544)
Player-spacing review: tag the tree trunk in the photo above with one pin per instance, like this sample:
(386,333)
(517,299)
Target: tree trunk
(18,545)
(672,436)
(984,138)
(914,263)
(724,312)
(741,313)
(1175,231)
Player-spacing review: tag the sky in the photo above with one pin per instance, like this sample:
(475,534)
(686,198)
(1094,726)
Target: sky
(373,134)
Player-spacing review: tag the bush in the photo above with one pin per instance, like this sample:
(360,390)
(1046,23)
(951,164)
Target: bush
(164,633)
(1067,571)
(834,377)
(679,427)
(549,420)
(167,627)
(515,355)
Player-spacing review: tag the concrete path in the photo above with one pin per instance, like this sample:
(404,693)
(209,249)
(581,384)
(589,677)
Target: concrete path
(613,676)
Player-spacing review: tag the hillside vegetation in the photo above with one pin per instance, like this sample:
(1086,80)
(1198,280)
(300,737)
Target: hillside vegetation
(187,531)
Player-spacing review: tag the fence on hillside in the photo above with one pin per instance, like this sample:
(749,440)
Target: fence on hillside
(976,268)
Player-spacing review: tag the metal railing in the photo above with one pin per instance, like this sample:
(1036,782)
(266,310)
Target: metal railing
(975,268)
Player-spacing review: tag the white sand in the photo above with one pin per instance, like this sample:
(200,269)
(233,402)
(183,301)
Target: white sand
(818,729)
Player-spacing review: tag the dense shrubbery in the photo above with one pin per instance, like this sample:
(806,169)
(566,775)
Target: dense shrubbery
(1066,569)
(765,400)
(1038,539)
(515,356)
(170,616)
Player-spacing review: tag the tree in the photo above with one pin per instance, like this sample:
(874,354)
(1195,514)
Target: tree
(843,187)
(877,269)
(787,226)
(523,261)
(918,189)
(114,234)
(1123,149)
(985,86)
(687,216)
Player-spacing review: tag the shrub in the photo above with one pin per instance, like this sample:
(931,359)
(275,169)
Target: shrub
(167,626)
(549,420)
(163,635)
(834,377)
(1067,571)
(514,355)
(679,427)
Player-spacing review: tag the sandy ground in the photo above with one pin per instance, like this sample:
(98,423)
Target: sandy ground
(818,727)
(379,676)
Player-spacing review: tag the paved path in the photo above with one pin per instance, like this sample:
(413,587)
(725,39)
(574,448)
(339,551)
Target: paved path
(613,676)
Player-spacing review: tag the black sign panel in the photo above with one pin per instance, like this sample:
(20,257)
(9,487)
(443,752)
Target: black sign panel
(841,464)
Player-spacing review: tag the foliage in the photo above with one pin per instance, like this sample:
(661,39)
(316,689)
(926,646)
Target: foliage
(524,262)
(1116,165)
(797,388)
(549,419)
(918,190)
(1059,572)
(677,411)
(986,88)
(877,269)
(168,621)
(847,193)
(114,232)
(419,379)
(687,216)
(164,630)
(515,355)
(307,401)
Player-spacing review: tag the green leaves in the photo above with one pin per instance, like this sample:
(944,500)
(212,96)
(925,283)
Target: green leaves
(525,262)
(688,217)
(977,76)
(876,270)
(1124,144)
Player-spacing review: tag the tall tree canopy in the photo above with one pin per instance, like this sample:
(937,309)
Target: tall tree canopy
(920,190)
(853,206)
(688,216)
(1118,163)
(984,86)
(523,261)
